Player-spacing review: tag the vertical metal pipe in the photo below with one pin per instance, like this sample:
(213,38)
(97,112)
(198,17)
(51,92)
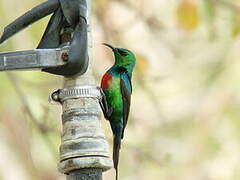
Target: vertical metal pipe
(85,174)
(84,151)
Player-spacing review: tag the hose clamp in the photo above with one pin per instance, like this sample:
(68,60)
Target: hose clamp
(75,92)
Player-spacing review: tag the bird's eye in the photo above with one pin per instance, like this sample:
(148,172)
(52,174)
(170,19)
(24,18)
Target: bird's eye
(122,53)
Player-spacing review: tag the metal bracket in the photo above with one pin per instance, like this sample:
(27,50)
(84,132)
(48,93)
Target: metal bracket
(68,25)
(34,59)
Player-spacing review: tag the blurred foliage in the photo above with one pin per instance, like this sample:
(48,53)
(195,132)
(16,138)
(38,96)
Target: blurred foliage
(185,119)
(187,13)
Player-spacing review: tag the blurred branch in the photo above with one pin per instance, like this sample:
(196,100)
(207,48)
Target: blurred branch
(42,128)
(151,21)
(142,153)
(227,4)
(151,93)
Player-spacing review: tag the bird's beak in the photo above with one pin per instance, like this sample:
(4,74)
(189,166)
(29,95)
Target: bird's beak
(110,46)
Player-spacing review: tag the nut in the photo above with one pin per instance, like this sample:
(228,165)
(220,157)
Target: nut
(65,56)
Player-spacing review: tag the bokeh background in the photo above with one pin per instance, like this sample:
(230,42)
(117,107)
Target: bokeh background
(185,114)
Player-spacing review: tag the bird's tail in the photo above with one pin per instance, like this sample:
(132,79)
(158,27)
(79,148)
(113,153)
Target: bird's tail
(116,150)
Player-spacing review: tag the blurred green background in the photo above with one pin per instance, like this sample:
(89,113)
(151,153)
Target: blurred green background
(185,114)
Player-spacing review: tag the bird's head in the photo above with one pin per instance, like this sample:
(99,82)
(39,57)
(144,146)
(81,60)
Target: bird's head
(123,57)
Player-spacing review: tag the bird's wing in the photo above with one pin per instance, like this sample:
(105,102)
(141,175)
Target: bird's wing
(126,90)
(107,111)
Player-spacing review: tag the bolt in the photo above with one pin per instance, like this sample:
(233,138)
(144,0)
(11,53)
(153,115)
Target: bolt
(65,56)
(55,95)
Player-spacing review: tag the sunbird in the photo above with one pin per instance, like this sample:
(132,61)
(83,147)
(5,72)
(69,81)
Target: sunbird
(116,88)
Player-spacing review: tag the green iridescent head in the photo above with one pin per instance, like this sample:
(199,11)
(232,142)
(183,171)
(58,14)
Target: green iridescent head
(123,57)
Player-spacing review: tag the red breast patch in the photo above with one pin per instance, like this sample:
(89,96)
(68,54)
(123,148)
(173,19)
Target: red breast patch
(105,80)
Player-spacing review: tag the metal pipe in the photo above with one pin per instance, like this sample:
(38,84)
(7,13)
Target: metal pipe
(84,149)
(85,174)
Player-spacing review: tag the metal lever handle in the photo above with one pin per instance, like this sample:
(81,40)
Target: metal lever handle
(34,59)
(67,15)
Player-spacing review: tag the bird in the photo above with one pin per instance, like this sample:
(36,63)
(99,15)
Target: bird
(116,90)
